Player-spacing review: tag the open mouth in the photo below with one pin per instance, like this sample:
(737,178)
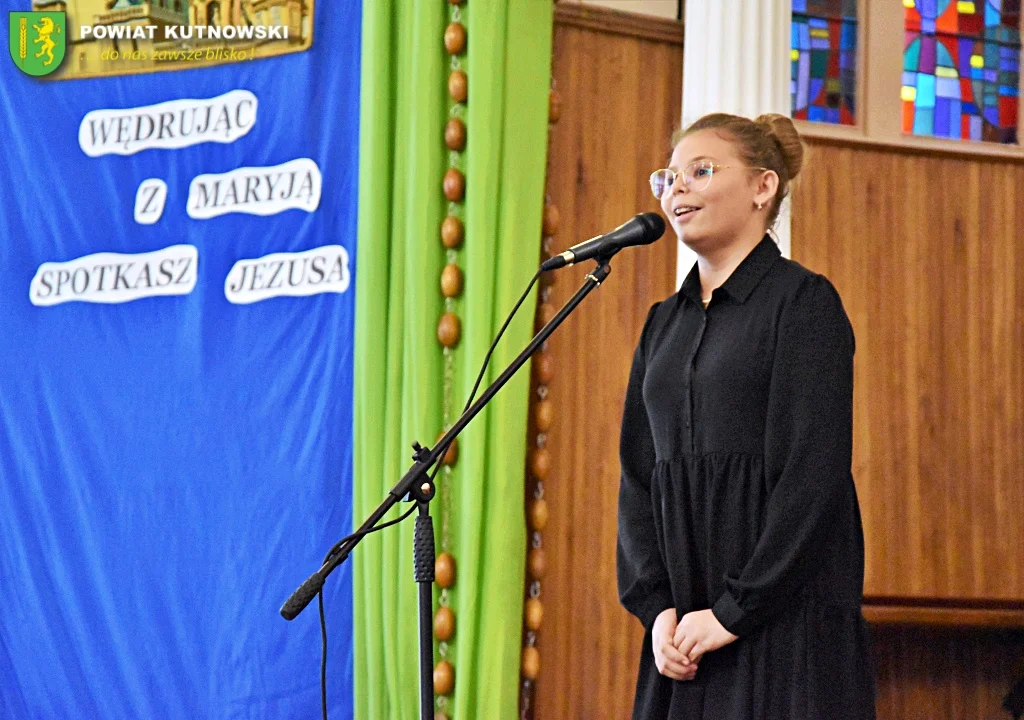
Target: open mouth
(685,211)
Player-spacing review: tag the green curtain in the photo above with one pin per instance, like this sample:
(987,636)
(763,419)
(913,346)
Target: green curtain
(398,360)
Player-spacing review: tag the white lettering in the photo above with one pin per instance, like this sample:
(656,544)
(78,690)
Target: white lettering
(150,199)
(184,32)
(116,277)
(311,272)
(296,184)
(131,130)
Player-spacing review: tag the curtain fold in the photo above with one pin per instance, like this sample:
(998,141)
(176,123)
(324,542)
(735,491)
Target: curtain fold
(397,360)
(399,365)
(509,66)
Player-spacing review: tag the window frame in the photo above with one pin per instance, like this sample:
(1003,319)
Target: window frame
(879,112)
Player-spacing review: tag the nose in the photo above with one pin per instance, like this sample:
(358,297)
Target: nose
(678,180)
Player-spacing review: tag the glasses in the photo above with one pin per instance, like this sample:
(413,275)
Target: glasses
(697,176)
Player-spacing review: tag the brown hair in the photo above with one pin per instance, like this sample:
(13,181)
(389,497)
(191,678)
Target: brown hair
(770,141)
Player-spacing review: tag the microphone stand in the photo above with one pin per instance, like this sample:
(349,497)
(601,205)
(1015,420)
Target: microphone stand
(417,487)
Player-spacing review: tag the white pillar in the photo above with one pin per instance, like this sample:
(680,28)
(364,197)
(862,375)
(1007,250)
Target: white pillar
(736,59)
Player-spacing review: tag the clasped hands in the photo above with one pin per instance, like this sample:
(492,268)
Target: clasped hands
(678,647)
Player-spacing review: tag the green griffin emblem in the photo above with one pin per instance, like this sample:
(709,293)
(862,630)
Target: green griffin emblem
(38,40)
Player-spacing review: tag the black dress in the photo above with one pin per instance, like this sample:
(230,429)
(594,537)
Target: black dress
(737,495)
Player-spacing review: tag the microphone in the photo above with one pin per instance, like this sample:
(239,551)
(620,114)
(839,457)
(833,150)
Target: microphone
(643,229)
(301,597)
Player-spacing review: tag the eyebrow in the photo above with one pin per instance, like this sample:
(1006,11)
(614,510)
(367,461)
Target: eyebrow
(693,160)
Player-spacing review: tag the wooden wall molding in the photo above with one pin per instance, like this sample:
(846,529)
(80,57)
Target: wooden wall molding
(837,136)
(616,22)
(944,612)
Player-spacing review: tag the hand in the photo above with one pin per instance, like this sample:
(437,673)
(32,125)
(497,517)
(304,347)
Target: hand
(671,663)
(698,633)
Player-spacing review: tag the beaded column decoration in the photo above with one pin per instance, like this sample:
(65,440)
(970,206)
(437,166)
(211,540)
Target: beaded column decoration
(539,462)
(449,331)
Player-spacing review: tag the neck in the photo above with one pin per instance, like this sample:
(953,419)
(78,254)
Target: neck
(715,267)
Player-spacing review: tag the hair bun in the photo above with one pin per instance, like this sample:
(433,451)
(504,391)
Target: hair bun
(784,132)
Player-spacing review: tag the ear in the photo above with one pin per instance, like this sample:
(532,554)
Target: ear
(767,185)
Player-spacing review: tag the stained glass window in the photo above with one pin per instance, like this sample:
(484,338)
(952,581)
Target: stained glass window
(824,60)
(961,69)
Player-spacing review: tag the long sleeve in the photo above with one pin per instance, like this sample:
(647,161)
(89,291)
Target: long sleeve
(808,455)
(642,579)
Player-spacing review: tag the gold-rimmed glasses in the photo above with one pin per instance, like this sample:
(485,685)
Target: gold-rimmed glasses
(696,176)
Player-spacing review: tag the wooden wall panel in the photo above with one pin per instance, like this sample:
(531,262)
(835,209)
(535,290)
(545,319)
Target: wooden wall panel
(620,105)
(928,254)
(928,674)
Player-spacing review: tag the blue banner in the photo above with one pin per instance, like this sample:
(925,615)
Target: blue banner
(178,223)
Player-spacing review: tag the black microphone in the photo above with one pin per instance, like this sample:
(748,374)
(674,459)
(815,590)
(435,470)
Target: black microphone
(643,229)
(301,597)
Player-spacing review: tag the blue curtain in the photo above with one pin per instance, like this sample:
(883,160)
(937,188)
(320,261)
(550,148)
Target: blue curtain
(173,466)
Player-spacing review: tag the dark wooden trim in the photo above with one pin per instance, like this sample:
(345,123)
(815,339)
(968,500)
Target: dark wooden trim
(589,17)
(924,147)
(945,613)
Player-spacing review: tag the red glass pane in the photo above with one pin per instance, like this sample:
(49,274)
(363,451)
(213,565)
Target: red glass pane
(834,28)
(973,25)
(912,19)
(953,47)
(966,90)
(1007,111)
(947,22)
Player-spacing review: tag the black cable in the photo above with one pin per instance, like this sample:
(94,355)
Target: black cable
(437,468)
(323,657)
(487,359)
(501,332)
(320,598)
(375,528)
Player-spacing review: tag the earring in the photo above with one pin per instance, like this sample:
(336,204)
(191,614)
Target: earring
(760,206)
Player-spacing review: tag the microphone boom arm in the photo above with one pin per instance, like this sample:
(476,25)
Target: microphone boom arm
(416,482)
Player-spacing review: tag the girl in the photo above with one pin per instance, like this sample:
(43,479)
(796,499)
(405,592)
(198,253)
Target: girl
(740,544)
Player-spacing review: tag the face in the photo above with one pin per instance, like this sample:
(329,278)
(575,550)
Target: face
(713,217)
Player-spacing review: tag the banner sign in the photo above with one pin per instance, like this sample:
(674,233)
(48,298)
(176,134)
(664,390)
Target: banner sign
(176,313)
